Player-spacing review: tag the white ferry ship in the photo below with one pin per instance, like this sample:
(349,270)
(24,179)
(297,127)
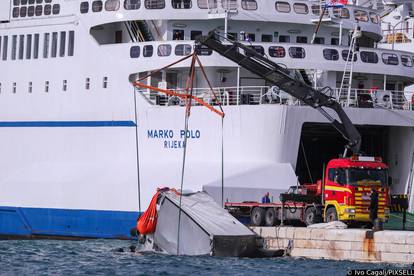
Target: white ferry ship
(83,150)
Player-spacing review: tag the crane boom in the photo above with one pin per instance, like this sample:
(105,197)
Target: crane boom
(282,78)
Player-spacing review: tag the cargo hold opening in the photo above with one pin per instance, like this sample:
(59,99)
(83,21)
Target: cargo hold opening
(321,142)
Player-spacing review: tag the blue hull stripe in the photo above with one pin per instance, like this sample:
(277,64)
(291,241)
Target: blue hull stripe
(69,124)
(16,221)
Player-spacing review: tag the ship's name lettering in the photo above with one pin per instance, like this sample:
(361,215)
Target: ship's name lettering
(173,139)
(169,134)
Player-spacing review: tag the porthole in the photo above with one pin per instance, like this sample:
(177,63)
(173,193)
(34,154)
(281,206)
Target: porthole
(132,4)
(97,6)
(297,52)
(277,52)
(38,10)
(330,54)
(164,50)
(84,7)
(112,5)
(250,5)
(48,10)
(134,52)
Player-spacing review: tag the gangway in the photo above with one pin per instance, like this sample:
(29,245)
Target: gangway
(282,78)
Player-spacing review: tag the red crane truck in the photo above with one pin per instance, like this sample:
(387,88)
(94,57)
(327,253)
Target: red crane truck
(344,192)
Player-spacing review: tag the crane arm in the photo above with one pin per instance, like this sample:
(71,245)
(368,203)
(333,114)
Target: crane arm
(282,78)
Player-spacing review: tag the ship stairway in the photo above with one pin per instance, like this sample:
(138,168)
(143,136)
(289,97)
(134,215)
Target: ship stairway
(344,94)
(138,31)
(306,76)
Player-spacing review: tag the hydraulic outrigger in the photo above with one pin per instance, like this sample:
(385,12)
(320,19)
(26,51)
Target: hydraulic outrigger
(282,78)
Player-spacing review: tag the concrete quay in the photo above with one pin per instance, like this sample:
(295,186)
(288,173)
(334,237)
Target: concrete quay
(341,244)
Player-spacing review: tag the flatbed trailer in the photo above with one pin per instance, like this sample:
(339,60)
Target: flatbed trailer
(271,214)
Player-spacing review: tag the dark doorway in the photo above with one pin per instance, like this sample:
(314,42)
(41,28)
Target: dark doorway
(320,143)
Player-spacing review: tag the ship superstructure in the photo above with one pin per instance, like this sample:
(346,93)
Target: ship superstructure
(83,150)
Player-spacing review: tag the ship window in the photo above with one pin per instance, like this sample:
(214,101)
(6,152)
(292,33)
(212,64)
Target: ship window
(47,86)
(31,2)
(30,11)
(14,47)
(46,42)
(48,1)
(29,46)
(23,2)
(374,17)
(38,10)
(0,87)
(39,1)
(134,51)
(361,15)
(195,34)
(105,82)
(16,2)
(390,59)
(0,45)
(282,6)
(334,41)
(71,46)
(181,4)
(97,6)
(330,54)
(65,85)
(5,44)
(112,5)
(301,39)
(207,4)
(232,36)
(229,4)
(21,46)
(340,12)
(14,87)
(56,9)
(319,40)
(300,8)
(345,56)
(164,50)
(297,52)
(23,11)
(182,49)
(132,4)
(84,7)
(277,51)
(317,9)
(88,83)
(62,47)
(178,34)
(250,37)
(54,44)
(36,46)
(154,4)
(284,39)
(204,51)
(16,12)
(47,10)
(148,51)
(369,57)
(249,5)
(267,38)
(406,61)
(30,87)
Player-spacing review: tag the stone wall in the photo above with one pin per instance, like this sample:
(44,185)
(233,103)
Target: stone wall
(341,244)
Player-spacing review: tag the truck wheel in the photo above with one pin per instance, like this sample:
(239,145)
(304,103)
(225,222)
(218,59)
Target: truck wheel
(271,219)
(331,215)
(311,216)
(257,216)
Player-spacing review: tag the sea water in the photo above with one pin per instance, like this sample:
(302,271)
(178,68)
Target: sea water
(113,257)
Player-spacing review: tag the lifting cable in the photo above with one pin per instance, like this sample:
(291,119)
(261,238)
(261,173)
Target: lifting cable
(306,161)
(189,97)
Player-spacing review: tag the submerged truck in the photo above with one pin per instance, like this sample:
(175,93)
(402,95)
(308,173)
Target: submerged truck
(344,192)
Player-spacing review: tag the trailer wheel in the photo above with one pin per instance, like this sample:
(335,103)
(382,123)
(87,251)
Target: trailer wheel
(257,216)
(271,219)
(331,215)
(311,216)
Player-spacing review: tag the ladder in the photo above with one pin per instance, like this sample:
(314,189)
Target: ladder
(138,31)
(346,82)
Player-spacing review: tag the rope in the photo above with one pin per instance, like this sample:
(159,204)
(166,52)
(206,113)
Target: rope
(189,86)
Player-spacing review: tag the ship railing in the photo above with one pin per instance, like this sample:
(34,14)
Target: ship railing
(260,95)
